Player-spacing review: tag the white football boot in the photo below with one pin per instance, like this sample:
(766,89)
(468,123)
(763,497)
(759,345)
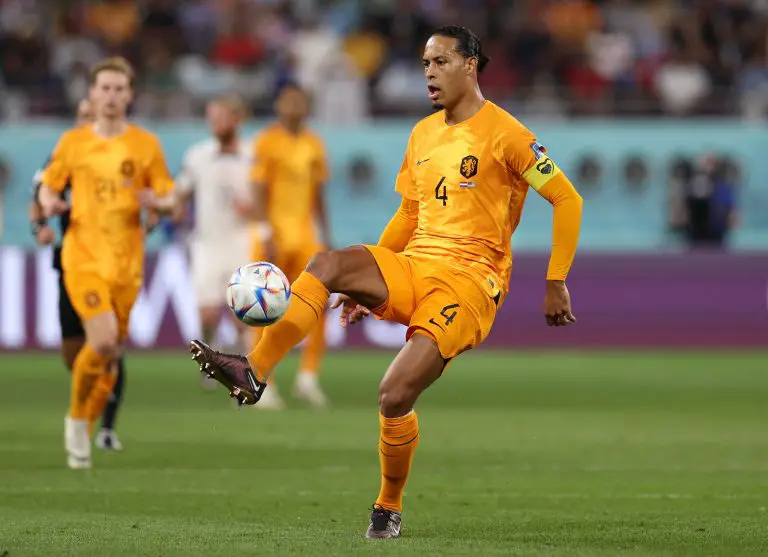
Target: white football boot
(77,442)
(270,399)
(307,387)
(107,440)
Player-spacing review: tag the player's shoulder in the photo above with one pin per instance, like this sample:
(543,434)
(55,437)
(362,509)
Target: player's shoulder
(76,134)
(503,122)
(429,123)
(267,132)
(313,136)
(141,133)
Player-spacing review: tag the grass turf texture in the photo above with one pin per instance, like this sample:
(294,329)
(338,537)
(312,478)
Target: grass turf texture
(521,454)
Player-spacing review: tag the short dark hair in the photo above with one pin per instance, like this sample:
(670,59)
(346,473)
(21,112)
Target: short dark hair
(468,45)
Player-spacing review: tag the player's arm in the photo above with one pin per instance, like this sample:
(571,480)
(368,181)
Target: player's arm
(186,182)
(42,232)
(531,160)
(403,224)
(259,177)
(320,179)
(53,179)
(159,198)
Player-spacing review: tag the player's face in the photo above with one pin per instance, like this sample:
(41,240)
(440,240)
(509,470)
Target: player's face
(111,94)
(85,113)
(446,70)
(292,105)
(222,121)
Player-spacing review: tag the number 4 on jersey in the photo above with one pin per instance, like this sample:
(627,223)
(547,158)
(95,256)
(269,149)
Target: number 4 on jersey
(441,194)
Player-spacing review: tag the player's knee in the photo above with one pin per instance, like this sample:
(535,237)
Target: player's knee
(396,400)
(106,347)
(325,265)
(209,317)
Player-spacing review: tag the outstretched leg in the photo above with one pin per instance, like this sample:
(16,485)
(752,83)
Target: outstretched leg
(416,367)
(352,271)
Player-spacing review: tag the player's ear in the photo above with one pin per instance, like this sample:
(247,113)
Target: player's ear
(470,65)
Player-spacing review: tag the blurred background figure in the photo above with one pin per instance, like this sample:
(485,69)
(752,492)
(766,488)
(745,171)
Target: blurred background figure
(214,178)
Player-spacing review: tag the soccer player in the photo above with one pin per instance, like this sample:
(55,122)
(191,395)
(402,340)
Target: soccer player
(288,175)
(442,264)
(215,175)
(114,169)
(72,334)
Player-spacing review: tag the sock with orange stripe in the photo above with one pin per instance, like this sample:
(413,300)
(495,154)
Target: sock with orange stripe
(308,300)
(86,370)
(398,440)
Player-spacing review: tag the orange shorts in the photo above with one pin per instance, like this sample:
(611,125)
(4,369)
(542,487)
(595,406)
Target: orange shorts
(437,300)
(91,295)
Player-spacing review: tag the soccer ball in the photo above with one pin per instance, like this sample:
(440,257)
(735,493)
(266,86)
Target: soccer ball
(258,293)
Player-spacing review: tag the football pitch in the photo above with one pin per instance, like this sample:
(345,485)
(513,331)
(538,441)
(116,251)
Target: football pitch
(531,453)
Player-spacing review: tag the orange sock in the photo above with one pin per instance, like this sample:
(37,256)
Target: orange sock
(397,445)
(86,370)
(308,300)
(313,351)
(99,397)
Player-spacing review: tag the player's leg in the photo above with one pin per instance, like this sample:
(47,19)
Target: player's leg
(90,297)
(453,315)
(209,290)
(306,386)
(414,369)
(123,298)
(72,333)
(352,271)
(107,438)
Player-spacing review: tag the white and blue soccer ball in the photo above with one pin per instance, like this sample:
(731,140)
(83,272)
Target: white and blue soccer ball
(258,293)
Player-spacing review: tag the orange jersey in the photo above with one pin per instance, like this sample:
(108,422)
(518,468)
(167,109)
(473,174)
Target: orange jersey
(105,235)
(470,181)
(292,167)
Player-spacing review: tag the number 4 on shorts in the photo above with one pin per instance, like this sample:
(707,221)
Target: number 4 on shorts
(449,317)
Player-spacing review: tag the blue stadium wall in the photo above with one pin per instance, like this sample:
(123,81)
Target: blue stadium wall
(616,217)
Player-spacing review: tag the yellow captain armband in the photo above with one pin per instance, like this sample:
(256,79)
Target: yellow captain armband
(541,172)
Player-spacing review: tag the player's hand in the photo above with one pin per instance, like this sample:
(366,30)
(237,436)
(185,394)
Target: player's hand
(147,198)
(242,209)
(45,235)
(557,304)
(351,311)
(53,206)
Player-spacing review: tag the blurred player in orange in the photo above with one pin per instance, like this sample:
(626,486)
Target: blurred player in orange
(288,174)
(115,169)
(72,334)
(442,264)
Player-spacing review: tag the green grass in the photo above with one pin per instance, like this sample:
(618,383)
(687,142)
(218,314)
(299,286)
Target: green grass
(521,454)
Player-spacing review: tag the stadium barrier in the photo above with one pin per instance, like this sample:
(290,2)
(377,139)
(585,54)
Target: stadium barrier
(682,300)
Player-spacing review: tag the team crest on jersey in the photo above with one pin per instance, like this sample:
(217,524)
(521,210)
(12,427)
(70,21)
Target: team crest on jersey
(468,166)
(127,169)
(92,299)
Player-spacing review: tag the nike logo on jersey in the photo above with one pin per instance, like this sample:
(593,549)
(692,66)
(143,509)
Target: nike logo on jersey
(421,161)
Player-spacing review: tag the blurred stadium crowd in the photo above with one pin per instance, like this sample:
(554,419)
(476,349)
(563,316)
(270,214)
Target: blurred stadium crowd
(551,58)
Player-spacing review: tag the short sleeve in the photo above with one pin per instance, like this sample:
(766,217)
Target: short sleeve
(57,172)
(186,179)
(321,173)
(259,172)
(527,157)
(159,177)
(404,182)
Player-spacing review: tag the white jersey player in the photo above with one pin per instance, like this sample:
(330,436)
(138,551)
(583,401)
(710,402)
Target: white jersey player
(214,176)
